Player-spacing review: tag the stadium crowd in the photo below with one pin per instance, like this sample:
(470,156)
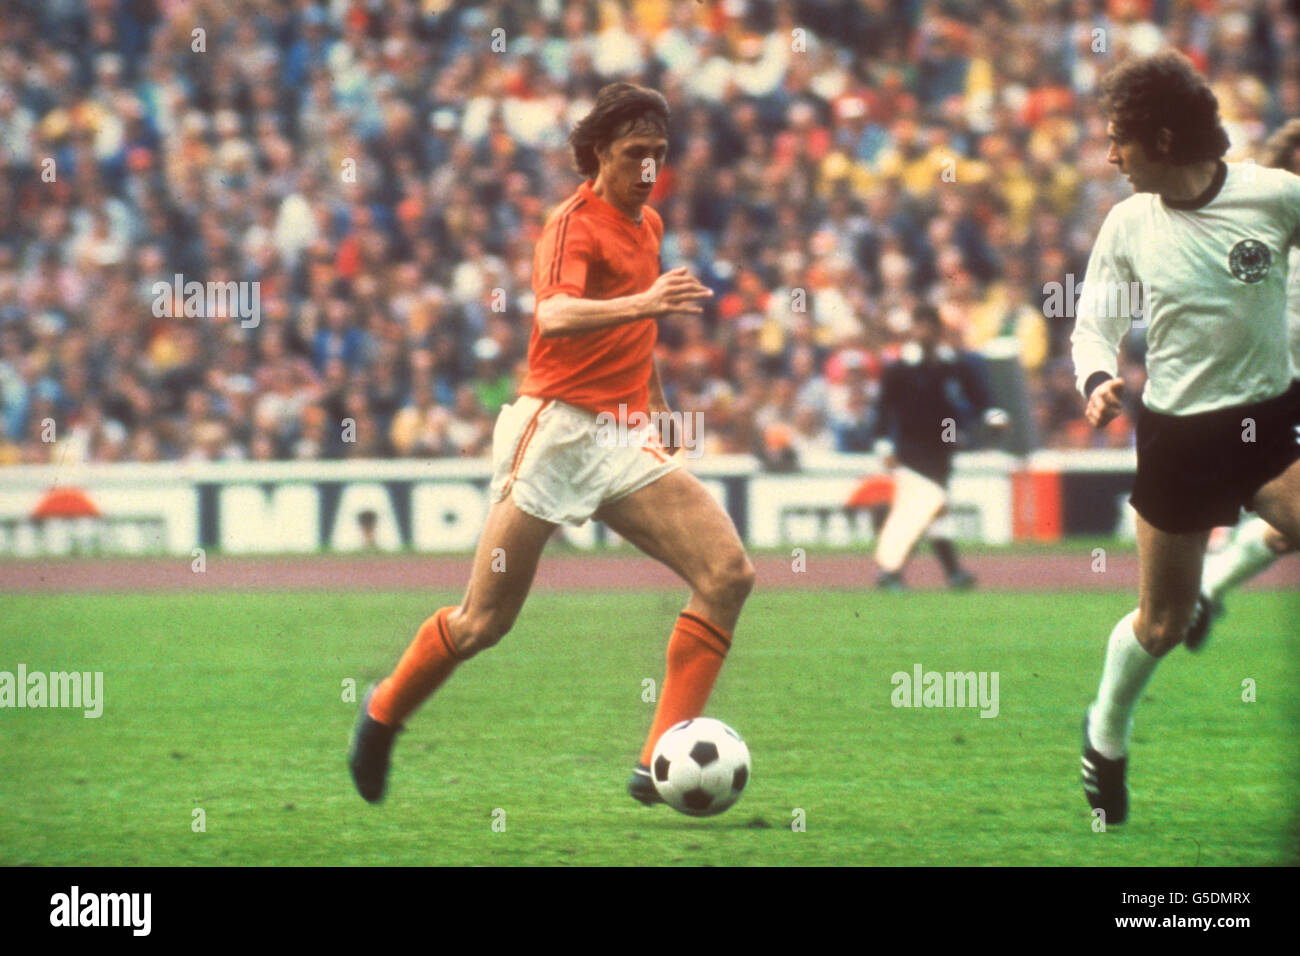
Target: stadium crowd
(381,170)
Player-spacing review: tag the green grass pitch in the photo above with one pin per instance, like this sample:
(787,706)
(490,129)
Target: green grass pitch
(233,704)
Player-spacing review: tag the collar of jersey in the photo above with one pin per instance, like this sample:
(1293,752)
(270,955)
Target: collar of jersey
(911,353)
(1212,190)
(603,208)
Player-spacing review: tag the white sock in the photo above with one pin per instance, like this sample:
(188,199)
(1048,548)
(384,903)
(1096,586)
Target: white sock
(1246,555)
(1126,672)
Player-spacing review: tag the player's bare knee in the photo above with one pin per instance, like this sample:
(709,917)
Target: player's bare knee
(730,579)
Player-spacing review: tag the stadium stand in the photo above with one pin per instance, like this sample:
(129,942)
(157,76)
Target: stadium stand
(381,170)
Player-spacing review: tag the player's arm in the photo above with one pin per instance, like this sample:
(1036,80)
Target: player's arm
(658,405)
(1291,184)
(972,372)
(658,402)
(1097,334)
(674,291)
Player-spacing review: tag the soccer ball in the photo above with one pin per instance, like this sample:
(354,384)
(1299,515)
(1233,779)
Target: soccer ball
(700,766)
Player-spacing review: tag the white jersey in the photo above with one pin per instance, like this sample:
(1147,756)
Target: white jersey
(1293,312)
(1213,277)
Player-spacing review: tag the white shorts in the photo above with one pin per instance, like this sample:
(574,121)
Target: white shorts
(549,456)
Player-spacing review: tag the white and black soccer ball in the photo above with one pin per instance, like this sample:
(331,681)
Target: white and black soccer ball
(700,766)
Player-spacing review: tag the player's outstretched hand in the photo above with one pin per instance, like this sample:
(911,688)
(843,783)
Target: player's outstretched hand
(676,291)
(1104,403)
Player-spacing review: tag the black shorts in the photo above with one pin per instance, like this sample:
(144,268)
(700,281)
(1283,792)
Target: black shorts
(1196,472)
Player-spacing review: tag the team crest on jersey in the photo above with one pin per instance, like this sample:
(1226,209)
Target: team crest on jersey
(1250,260)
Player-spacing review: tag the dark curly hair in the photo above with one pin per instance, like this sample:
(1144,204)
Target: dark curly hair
(1282,149)
(1164,91)
(619,107)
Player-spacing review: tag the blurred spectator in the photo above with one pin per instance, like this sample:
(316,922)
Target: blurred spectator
(420,427)
(469,427)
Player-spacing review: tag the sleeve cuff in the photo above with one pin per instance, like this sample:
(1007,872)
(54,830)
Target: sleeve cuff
(565,289)
(1095,379)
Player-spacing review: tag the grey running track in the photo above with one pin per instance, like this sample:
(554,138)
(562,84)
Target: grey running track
(567,571)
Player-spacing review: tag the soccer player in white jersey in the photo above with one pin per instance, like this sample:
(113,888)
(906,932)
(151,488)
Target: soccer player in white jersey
(1255,544)
(1207,242)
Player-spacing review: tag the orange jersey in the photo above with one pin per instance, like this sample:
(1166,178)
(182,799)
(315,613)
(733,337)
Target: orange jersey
(590,250)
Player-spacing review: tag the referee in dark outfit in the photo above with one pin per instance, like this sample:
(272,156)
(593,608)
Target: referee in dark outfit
(927,398)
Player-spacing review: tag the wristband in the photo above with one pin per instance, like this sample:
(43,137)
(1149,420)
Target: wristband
(1095,379)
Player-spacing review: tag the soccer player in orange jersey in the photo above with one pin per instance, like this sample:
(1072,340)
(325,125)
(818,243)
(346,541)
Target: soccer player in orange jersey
(590,360)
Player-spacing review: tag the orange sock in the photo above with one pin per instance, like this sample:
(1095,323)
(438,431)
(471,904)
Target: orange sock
(695,654)
(426,664)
